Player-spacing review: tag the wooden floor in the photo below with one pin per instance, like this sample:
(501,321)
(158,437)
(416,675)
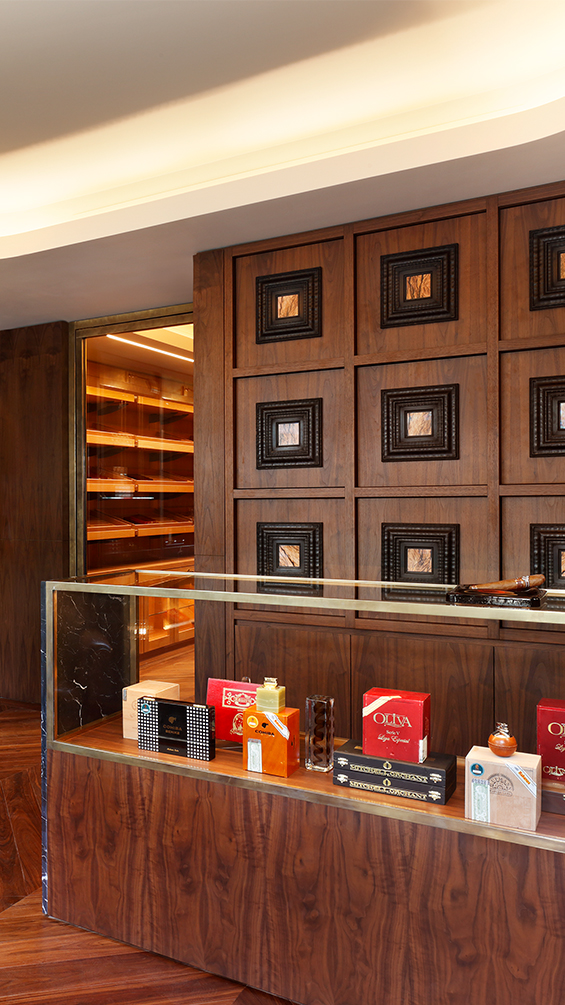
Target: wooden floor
(44,961)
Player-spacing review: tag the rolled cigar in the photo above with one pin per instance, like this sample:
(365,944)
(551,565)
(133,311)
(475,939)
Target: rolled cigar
(513,585)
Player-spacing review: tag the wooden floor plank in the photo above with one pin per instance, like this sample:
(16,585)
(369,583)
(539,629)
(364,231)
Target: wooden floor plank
(250,996)
(12,885)
(25,819)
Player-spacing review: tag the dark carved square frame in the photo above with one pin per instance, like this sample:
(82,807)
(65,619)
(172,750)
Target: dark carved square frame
(443,442)
(547,540)
(546,438)
(442,305)
(441,538)
(310,538)
(308,452)
(307,284)
(547,289)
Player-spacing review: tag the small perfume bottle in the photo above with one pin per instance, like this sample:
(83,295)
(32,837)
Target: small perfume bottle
(319,738)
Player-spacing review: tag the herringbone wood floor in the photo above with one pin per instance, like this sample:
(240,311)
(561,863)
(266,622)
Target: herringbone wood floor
(44,961)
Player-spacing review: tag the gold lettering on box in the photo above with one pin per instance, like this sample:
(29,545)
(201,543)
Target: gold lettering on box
(419,287)
(287,306)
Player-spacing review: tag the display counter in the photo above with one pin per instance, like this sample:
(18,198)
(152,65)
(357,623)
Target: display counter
(308,891)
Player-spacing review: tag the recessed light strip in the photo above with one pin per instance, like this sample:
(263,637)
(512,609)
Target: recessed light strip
(140,345)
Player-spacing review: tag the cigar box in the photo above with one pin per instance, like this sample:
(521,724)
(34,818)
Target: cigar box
(504,791)
(230,698)
(130,696)
(387,787)
(551,738)
(182,728)
(437,772)
(396,724)
(552,797)
(271,741)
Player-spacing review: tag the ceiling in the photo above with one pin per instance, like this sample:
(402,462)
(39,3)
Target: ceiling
(135,133)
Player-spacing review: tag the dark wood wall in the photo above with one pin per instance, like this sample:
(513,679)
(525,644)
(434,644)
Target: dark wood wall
(489,347)
(34,521)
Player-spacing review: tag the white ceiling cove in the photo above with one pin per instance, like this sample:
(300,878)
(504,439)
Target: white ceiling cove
(134,133)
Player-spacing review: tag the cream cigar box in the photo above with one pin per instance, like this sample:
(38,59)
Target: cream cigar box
(130,695)
(503,791)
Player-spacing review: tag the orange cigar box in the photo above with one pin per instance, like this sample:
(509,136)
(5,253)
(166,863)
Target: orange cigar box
(271,741)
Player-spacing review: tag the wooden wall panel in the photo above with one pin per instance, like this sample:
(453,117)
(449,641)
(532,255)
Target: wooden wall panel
(34,516)
(469,513)
(459,677)
(280,510)
(209,478)
(516,318)
(467,231)
(306,662)
(367,909)
(328,255)
(518,513)
(523,676)
(470,469)
(325,384)
(516,369)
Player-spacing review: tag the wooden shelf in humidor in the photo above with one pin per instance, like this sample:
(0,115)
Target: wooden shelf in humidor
(106,738)
(129,485)
(117,394)
(105,438)
(103,528)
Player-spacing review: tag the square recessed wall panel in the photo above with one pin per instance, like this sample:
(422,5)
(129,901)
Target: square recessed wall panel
(289,305)
(289,433)
(419,287)
(547,416)
(420,553)
(547,553)
(290,549)
(547,268)
(420,423)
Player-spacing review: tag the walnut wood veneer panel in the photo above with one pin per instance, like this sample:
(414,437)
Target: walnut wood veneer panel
(457,675)
(469,513)
(470,468)
(326,255)
(516,370)
(306,662)
(33,492)
(469,233)
(518,514)
(305,901)
(324,384)
(523,676)
(329,512)
(516,318)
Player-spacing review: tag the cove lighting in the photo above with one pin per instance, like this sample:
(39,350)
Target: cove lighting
(139,345)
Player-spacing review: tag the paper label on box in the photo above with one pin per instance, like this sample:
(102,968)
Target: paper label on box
(423,749)
(254,755)
(524,778)
(276,722)
(480,800)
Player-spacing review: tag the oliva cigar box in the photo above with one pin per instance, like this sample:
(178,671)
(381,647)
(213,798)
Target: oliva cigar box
(433,781)
(230,698)
(504,791)
(271,741)
(551,738)
(131,695)
(396,724)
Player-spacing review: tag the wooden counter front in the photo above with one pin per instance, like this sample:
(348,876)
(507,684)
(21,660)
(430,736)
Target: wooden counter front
(320,896)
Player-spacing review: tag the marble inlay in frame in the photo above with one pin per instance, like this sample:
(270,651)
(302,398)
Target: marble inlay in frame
(287,306)
(418,287)
(288,434)
(419,424)
(289,555)
(419,560)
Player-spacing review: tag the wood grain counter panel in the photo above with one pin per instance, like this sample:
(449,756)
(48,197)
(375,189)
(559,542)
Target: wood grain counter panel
(310,902)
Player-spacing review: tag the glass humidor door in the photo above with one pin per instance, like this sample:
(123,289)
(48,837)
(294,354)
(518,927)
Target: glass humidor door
(139,449)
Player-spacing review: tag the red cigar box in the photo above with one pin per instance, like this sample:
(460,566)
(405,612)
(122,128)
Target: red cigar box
(230,698)
(551,738)
(396,724)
